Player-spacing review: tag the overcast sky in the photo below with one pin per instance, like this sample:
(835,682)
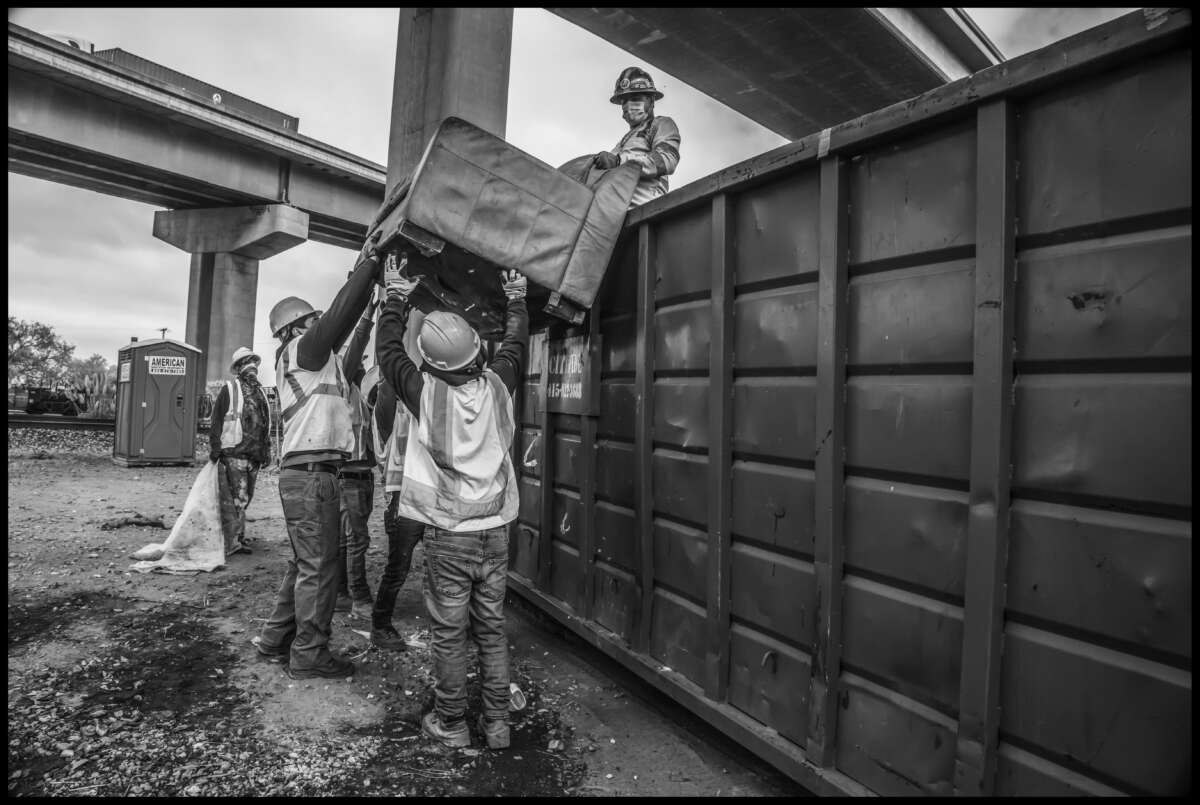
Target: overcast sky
(87,264)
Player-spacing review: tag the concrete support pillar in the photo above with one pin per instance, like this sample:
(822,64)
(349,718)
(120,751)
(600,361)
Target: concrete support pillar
(222,291)
(226,244)
(449,61)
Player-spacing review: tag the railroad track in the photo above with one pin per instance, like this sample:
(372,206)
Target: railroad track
(58,422)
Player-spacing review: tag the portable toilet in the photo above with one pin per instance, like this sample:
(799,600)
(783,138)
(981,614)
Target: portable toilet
(157,383)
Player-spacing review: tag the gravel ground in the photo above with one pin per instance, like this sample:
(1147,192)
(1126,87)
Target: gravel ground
(129,684)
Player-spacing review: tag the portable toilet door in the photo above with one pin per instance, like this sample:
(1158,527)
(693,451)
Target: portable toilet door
(156,403)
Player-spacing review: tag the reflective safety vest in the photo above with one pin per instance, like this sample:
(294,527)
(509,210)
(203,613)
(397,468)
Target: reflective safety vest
(359,416)
(313,405)
(458,474)
(231,429)
(392,457)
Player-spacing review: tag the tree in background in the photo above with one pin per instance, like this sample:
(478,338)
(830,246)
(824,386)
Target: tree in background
(37,356)
(94,384)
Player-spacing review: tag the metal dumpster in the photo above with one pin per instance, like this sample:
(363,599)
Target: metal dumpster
(875,450)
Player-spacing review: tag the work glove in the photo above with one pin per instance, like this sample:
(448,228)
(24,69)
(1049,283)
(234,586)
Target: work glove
(370,247)
(514,284)
(606,160)
(395,282)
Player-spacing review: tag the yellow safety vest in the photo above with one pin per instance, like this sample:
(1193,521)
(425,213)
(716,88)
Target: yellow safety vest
(458,474)
(231,430)
(313,405)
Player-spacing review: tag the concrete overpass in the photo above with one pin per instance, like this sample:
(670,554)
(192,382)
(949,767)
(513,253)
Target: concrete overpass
(238,189)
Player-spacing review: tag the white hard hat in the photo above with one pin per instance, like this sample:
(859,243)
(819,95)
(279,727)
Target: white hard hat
(240,354)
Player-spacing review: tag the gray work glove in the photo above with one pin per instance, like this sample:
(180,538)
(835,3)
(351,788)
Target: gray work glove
(606,160)
(514,284)
(394,281)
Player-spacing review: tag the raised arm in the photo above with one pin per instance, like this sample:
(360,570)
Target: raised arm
(509,362)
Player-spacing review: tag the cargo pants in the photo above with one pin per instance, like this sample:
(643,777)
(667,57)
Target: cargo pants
(358,498)
(303,613)
(465,581)
(235,487)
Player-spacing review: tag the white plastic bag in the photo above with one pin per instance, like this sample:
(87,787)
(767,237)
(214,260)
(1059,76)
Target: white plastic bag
(196,542)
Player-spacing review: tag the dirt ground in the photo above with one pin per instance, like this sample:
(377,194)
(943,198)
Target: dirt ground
(123,683)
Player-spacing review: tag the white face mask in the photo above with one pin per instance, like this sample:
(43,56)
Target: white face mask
(635,111)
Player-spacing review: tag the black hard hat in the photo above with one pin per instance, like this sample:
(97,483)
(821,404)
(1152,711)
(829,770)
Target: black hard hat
(634,81)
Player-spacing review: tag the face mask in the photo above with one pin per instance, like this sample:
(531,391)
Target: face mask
(634,112)
(249,372)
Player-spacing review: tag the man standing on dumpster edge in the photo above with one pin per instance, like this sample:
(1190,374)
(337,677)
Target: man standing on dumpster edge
(459,480)
(317,439)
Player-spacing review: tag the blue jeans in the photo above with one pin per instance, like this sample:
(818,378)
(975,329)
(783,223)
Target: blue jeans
(403,535)
(303,613)
(465,579)
(358,498)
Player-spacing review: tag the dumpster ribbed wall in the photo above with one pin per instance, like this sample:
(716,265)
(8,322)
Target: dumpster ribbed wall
(891,475)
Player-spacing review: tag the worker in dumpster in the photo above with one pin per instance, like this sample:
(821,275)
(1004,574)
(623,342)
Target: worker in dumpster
(652,140)
(357,479)
(239,443)
(459,481)
(318,437)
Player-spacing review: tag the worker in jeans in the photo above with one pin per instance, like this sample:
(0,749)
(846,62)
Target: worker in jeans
(357,478)
(318,437)
(403,533)
(459,481)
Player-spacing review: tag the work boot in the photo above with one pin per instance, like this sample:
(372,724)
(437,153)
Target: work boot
(496,732)
(334,669)
(343,603)
(455,737)
(387,637)
(362,609)
(273,653)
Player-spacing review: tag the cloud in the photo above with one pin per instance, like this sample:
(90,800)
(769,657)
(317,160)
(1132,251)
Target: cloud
(1017,31)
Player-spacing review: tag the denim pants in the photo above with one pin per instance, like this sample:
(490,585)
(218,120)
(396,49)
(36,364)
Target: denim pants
(235,488)
(465,580)
(303,611)
(403,535)
(358,498)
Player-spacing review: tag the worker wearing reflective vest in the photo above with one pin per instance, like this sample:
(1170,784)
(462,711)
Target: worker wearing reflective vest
(459,481)
(239,444)
(391,420)
(318,437)
(652,140)
(357,478)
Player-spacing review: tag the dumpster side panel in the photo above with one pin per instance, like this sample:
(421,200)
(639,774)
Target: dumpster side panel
(1097,671)
(890,477)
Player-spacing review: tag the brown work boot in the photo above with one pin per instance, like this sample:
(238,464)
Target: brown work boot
(455,737)
(496,732)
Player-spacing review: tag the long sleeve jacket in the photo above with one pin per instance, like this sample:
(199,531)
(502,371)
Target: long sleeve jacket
(654,145)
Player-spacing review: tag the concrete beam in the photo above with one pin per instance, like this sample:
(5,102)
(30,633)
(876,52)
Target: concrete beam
(255,232)
(449,61)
